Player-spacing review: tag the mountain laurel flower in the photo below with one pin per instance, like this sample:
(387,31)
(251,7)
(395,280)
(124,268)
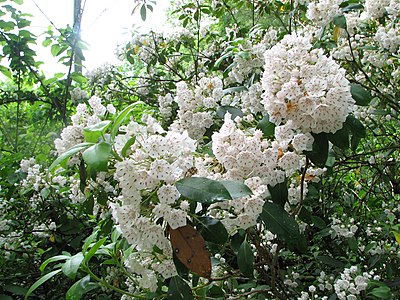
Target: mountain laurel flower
(305,86)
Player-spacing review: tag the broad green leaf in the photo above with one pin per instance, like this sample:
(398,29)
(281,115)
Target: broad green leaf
(40,281)
(63,158)
(89,240)
(93,250)
(396,236)
(222,58)
(267,127)
(340,21)
(245,258)
(235,89)
(71,265)
(5,297)
(212,230)
(97,156)
(143,12)
(92,133)
(81,287)
(15,289)
(127,146)
(236,189)
(178,289)
(340,138)
(203,190)
(55,49)
(360,95)
(234,111)
(355,126)
(320,148)
(119,119)
(279,222)
(237,240)
(79,78)
(53,259)
(351,7)
(330,261)
(318,222)
(382,292)
(6,71)
(279,193)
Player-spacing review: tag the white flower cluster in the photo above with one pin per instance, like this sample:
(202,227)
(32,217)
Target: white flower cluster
(73,134)
(34,174)
(305,86)
(388,38)
(156,161)
(351,283)
(322,12)
(341,230)
(376,8)
(197,105)
(394,8)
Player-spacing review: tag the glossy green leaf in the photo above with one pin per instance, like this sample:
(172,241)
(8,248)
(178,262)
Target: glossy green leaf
(92,133)
(127,146)
(234,111)
(63,158)
(96,157)
(330,261)
(120,118)
(319,153)
(267,127)
(143,12)
(178,289)
(340,138)
(236,189)
(212,230)
(93,250)
(279,222)
(360,95)
(382,292)
(40,281)
(81,287)
(245,258)
(340,21)
(355,126)
(279,193)
(71,265)
(53,259)
(203,190)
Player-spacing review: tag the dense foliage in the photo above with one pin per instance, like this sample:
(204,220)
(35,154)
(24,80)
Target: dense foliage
(250,153)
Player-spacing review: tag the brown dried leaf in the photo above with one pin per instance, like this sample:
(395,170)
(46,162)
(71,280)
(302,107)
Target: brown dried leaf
(190,248)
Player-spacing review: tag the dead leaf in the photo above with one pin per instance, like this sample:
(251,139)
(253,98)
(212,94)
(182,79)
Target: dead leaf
(190,248)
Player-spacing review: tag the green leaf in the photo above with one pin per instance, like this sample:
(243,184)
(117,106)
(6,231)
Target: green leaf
(234,111)
(203,190)
(237,240)
(235,89)
(53,259)
(71,266)
(279,193)
(89,240)
(330,261)
(267,127)
(55,49)
(351,7)
(212,230)
(360,95)
(81,287)
(40,281)
(178,289)
(92,133)
(63,158)
(279,222)
(97,156)
(355,126)
(319,153)
(318,222)
(119,119)
(382,292)
(6,71)
(78,78)
(340,21)
(340,138)
(93,250)
(127,146)
(245,258)
(236,189)
(143,12)
(5,297)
